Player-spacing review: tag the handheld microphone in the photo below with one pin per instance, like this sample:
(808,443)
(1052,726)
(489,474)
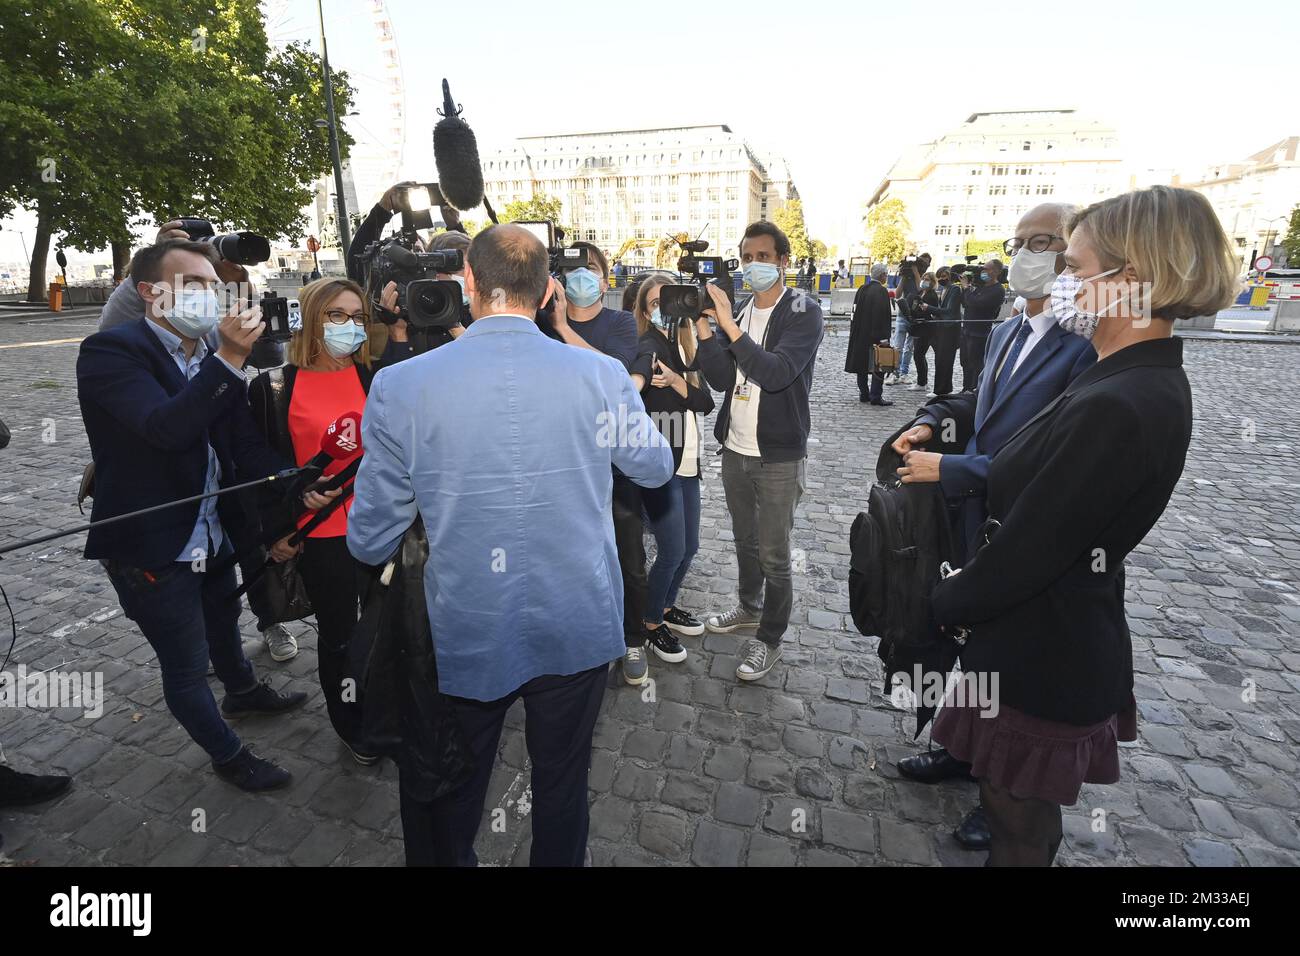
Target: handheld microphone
(342,440)
(455,153)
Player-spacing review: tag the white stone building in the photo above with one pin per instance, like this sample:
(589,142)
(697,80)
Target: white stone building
(643,184)
(976,181)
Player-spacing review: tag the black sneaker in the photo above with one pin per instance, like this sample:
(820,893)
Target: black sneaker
(24,789)
(248,771)
(683,623)
(665,644)
(261,700)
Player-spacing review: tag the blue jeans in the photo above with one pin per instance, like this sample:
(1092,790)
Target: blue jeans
(674,512)
(190,617)
(902,342)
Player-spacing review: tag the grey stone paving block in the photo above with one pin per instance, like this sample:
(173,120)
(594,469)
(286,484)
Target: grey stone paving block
(852,831)
(1211,853)
(716,845)
(727,763)
(739,804)
(664,834)
(769,851)
(692,794)
(906,843)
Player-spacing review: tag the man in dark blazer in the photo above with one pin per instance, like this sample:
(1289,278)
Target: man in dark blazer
(1028,362)
(871,325)
(168,418)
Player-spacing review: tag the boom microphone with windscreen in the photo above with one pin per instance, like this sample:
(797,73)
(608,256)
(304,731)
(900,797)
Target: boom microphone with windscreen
(455,153)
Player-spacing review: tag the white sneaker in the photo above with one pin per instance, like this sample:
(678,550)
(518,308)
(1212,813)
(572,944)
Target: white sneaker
(914,387)
(282,645)
(756,660)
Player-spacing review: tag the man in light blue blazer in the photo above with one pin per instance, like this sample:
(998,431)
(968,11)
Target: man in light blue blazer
(504,442)
(1028,362)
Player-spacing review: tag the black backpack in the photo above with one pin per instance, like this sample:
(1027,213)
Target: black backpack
(897,546)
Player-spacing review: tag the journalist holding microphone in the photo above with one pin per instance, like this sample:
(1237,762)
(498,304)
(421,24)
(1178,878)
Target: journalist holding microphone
(168,418)
(327,377)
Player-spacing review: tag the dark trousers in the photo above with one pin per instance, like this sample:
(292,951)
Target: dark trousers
(1023,831)
(190,616)
(629,531)
(329,573)
(973,343)
(674,512)
(922,340)
(559,719)
(761,498)
(871,385)
(945,338)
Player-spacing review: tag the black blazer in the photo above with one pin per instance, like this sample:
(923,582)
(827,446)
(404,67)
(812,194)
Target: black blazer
(659,401)
(1076,489)
(871,323)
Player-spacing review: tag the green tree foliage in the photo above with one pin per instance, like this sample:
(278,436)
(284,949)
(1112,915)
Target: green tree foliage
(1291,241)
(985,248)
(789,219)
(887,223)
(116,113)
(540,208)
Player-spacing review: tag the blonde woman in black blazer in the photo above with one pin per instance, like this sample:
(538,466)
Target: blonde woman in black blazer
(1075,491)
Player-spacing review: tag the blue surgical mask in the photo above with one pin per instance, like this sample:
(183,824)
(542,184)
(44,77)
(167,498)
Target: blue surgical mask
(984,277)
(656,318)
(582,287)
(464,296)
(761,276)
(194,313)
(344,338)
(926,284)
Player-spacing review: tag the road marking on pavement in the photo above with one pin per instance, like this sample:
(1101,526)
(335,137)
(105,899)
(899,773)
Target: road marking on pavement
(99,617)
(28,345)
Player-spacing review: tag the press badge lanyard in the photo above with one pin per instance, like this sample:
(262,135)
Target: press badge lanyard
(743,387)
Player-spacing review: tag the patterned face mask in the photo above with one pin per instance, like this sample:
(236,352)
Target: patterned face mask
(1065,293)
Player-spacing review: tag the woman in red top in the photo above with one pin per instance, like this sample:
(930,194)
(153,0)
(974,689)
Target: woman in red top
(328,375)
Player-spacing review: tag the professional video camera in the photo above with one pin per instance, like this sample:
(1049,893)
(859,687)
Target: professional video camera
(423,300)
(970,270)
(685,301)
(563,258)
(244,248)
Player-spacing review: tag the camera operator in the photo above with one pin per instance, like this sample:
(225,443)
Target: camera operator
(328,375)
(379,217)
(126,305)
(582,319)
(402,342)
(168,418)
(909,282)
(764,365)
(983,302)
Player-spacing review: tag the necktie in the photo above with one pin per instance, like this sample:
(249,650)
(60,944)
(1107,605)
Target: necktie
(1009,363)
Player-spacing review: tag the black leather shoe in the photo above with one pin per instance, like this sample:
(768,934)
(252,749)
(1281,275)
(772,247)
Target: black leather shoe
(248,771)
(933,766)
(881,401)
(261,700)
(973,832)
(24,789)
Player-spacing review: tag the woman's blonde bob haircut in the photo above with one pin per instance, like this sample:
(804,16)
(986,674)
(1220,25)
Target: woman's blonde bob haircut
(1172,239)
(308,343)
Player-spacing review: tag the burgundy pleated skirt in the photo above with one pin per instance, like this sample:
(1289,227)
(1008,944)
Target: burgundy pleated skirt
(1032,757)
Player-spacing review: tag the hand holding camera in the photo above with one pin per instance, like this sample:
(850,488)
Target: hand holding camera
(665,377)
(237,332)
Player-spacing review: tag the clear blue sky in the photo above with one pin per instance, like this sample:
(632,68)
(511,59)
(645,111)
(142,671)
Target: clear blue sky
(838,88)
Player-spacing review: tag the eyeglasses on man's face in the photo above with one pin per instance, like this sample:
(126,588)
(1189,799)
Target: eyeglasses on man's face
(1040,243)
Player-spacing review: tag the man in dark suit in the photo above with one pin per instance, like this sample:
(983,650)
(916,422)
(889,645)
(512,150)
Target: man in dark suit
(167,418)
(1028,362)
(983,302)
(869,327)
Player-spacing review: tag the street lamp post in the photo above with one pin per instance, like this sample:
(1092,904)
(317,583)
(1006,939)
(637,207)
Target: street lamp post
(340,200)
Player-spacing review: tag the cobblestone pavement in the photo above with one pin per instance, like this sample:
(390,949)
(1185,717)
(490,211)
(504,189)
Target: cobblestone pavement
(709,771)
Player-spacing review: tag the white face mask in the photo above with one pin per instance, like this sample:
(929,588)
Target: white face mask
(1032,273)
(194,312)
(1065,293)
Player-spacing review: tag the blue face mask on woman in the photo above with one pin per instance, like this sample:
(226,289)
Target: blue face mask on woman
(343,339)
(761,276)
(582,287)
